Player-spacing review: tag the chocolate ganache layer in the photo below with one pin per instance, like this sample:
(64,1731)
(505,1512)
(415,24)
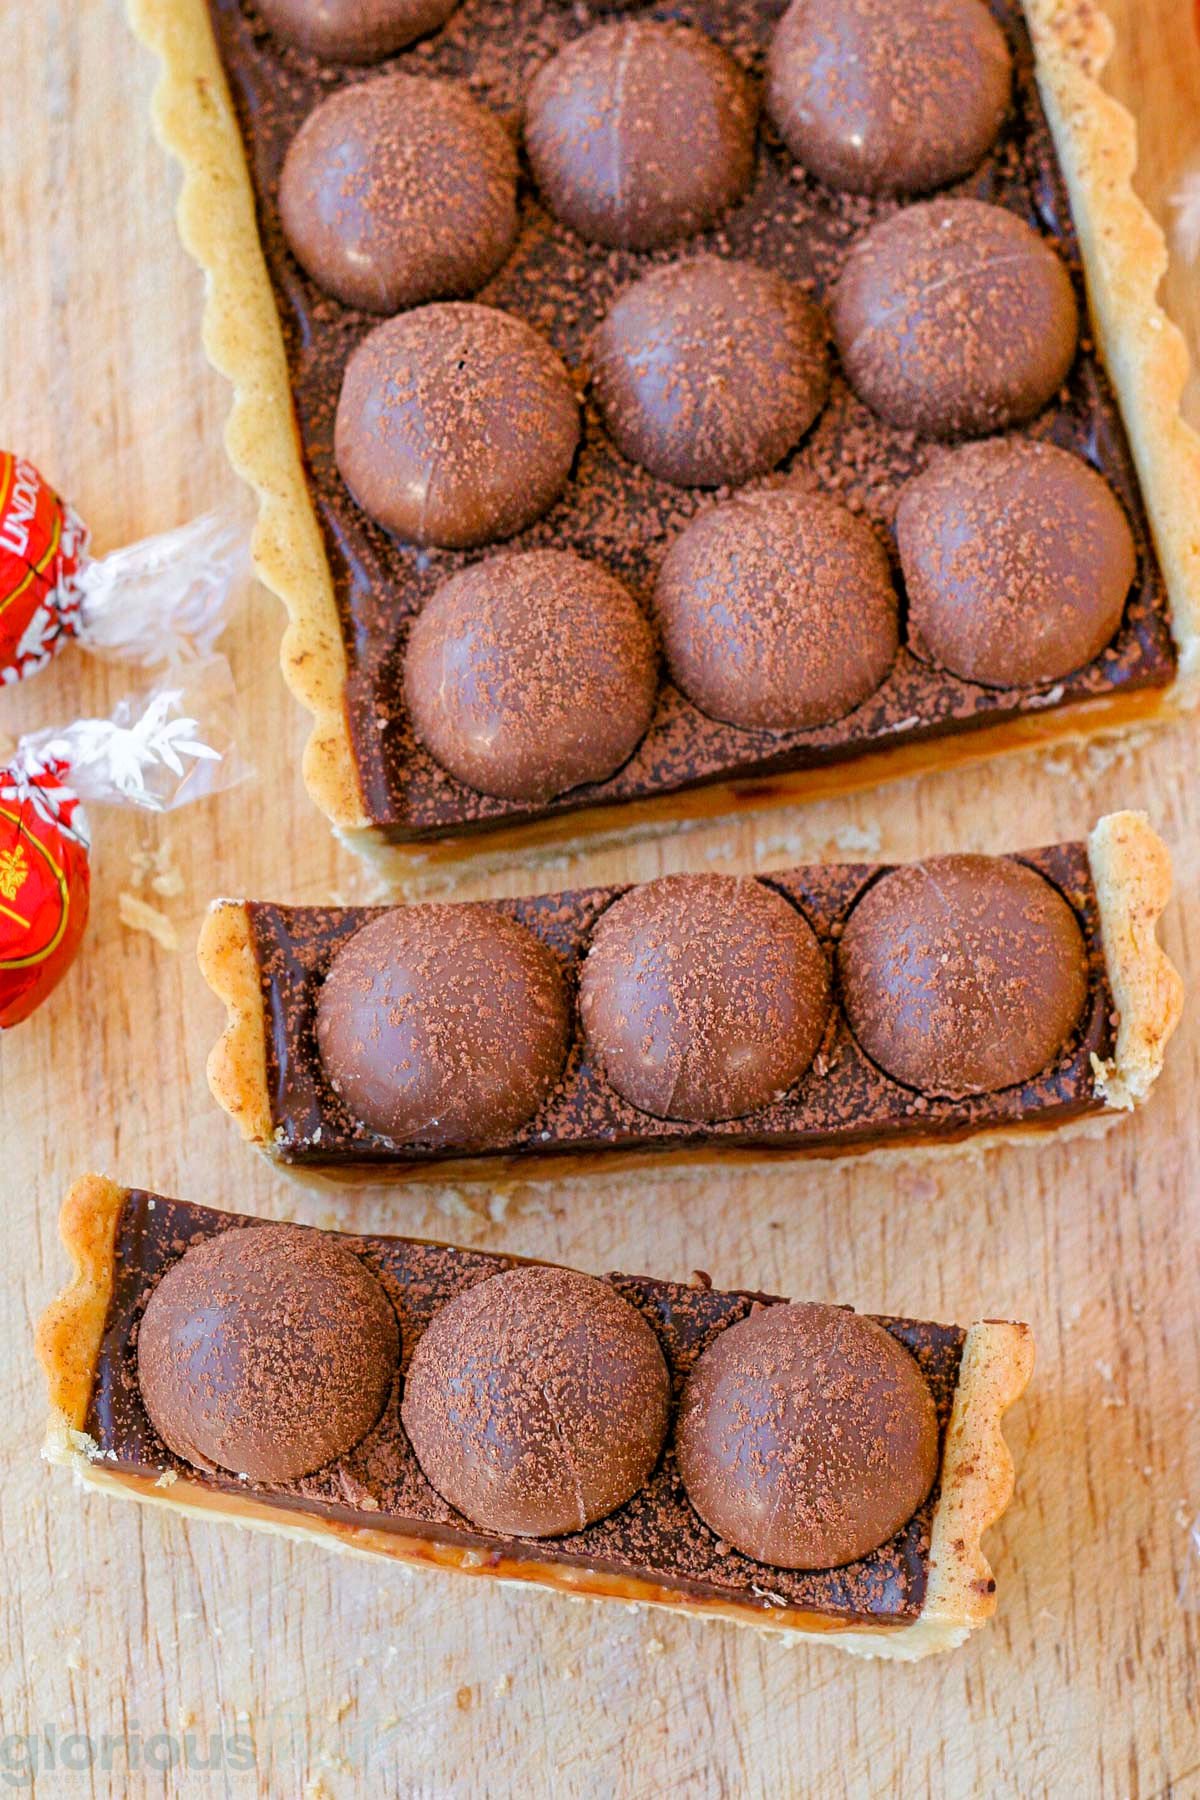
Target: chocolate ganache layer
(841,1100)
(656,1535)
(612,510)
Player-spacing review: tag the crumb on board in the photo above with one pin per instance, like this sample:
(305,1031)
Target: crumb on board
(139,915)
(153,868)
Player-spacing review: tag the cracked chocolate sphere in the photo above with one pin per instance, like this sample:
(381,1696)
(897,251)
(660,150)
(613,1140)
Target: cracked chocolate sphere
(1017,561)
(708,372)
(537,1401)
(357,31)
(443,1025)
(530,673)
(703,997)
(954,318)
(777,611)
(399,190)
(266,1352)
(962,974)
(807,1436)
(640,133)
(456,425)
(888,96)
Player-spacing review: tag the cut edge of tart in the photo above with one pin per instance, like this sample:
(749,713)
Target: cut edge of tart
(1145,355)
(976,1472)
(1131,872)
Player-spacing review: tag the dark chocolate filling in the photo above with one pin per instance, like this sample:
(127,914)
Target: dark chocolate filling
(655,1537)
(612,510)
(844,1101)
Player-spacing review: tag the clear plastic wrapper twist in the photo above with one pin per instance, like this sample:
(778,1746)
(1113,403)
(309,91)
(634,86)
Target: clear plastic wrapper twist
(160,750)
(153,602)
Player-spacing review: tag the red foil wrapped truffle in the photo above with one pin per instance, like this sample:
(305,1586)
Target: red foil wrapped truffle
(153,759)
(147,603)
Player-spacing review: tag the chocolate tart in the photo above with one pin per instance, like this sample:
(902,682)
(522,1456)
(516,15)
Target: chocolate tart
(267,962)
(229,100)
(924,1590)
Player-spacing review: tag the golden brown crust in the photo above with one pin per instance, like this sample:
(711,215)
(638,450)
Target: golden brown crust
(1124,253)
(1125,257)
(237,1062)
(70,1329)
(194,119)
(1131,869)
(977,1474)
(976,1477)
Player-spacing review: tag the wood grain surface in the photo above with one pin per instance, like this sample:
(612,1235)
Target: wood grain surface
(332,1677)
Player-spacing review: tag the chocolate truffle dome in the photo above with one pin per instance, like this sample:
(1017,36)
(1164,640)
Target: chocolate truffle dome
(266,1352)
(777,611)
(359,31)
(962,974)
(456,424)
(703,997)
(709,371)
(443,1025)
(1017,560)
(530,673)
(399,190)
(888,96)
(537,1401)
(807,1436)
(954,318)
(640,133)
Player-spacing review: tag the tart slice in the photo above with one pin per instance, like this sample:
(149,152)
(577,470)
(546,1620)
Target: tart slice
(826,1010)
(592,1448)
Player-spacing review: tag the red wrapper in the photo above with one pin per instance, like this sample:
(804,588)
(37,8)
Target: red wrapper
(43,543)
(45,885)
(154,601)
(151,754)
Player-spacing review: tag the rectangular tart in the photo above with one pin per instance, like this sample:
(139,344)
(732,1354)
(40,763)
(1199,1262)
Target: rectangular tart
(266,963)
(923,1591)
(229,100)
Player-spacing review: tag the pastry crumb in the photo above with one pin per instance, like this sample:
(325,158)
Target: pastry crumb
(154,868)
(139,915)
(857,840)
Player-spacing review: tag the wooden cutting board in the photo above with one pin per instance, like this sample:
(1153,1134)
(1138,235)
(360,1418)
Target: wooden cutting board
(350,1679)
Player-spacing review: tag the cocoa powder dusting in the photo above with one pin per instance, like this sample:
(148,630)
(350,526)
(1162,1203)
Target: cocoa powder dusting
(611,509)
